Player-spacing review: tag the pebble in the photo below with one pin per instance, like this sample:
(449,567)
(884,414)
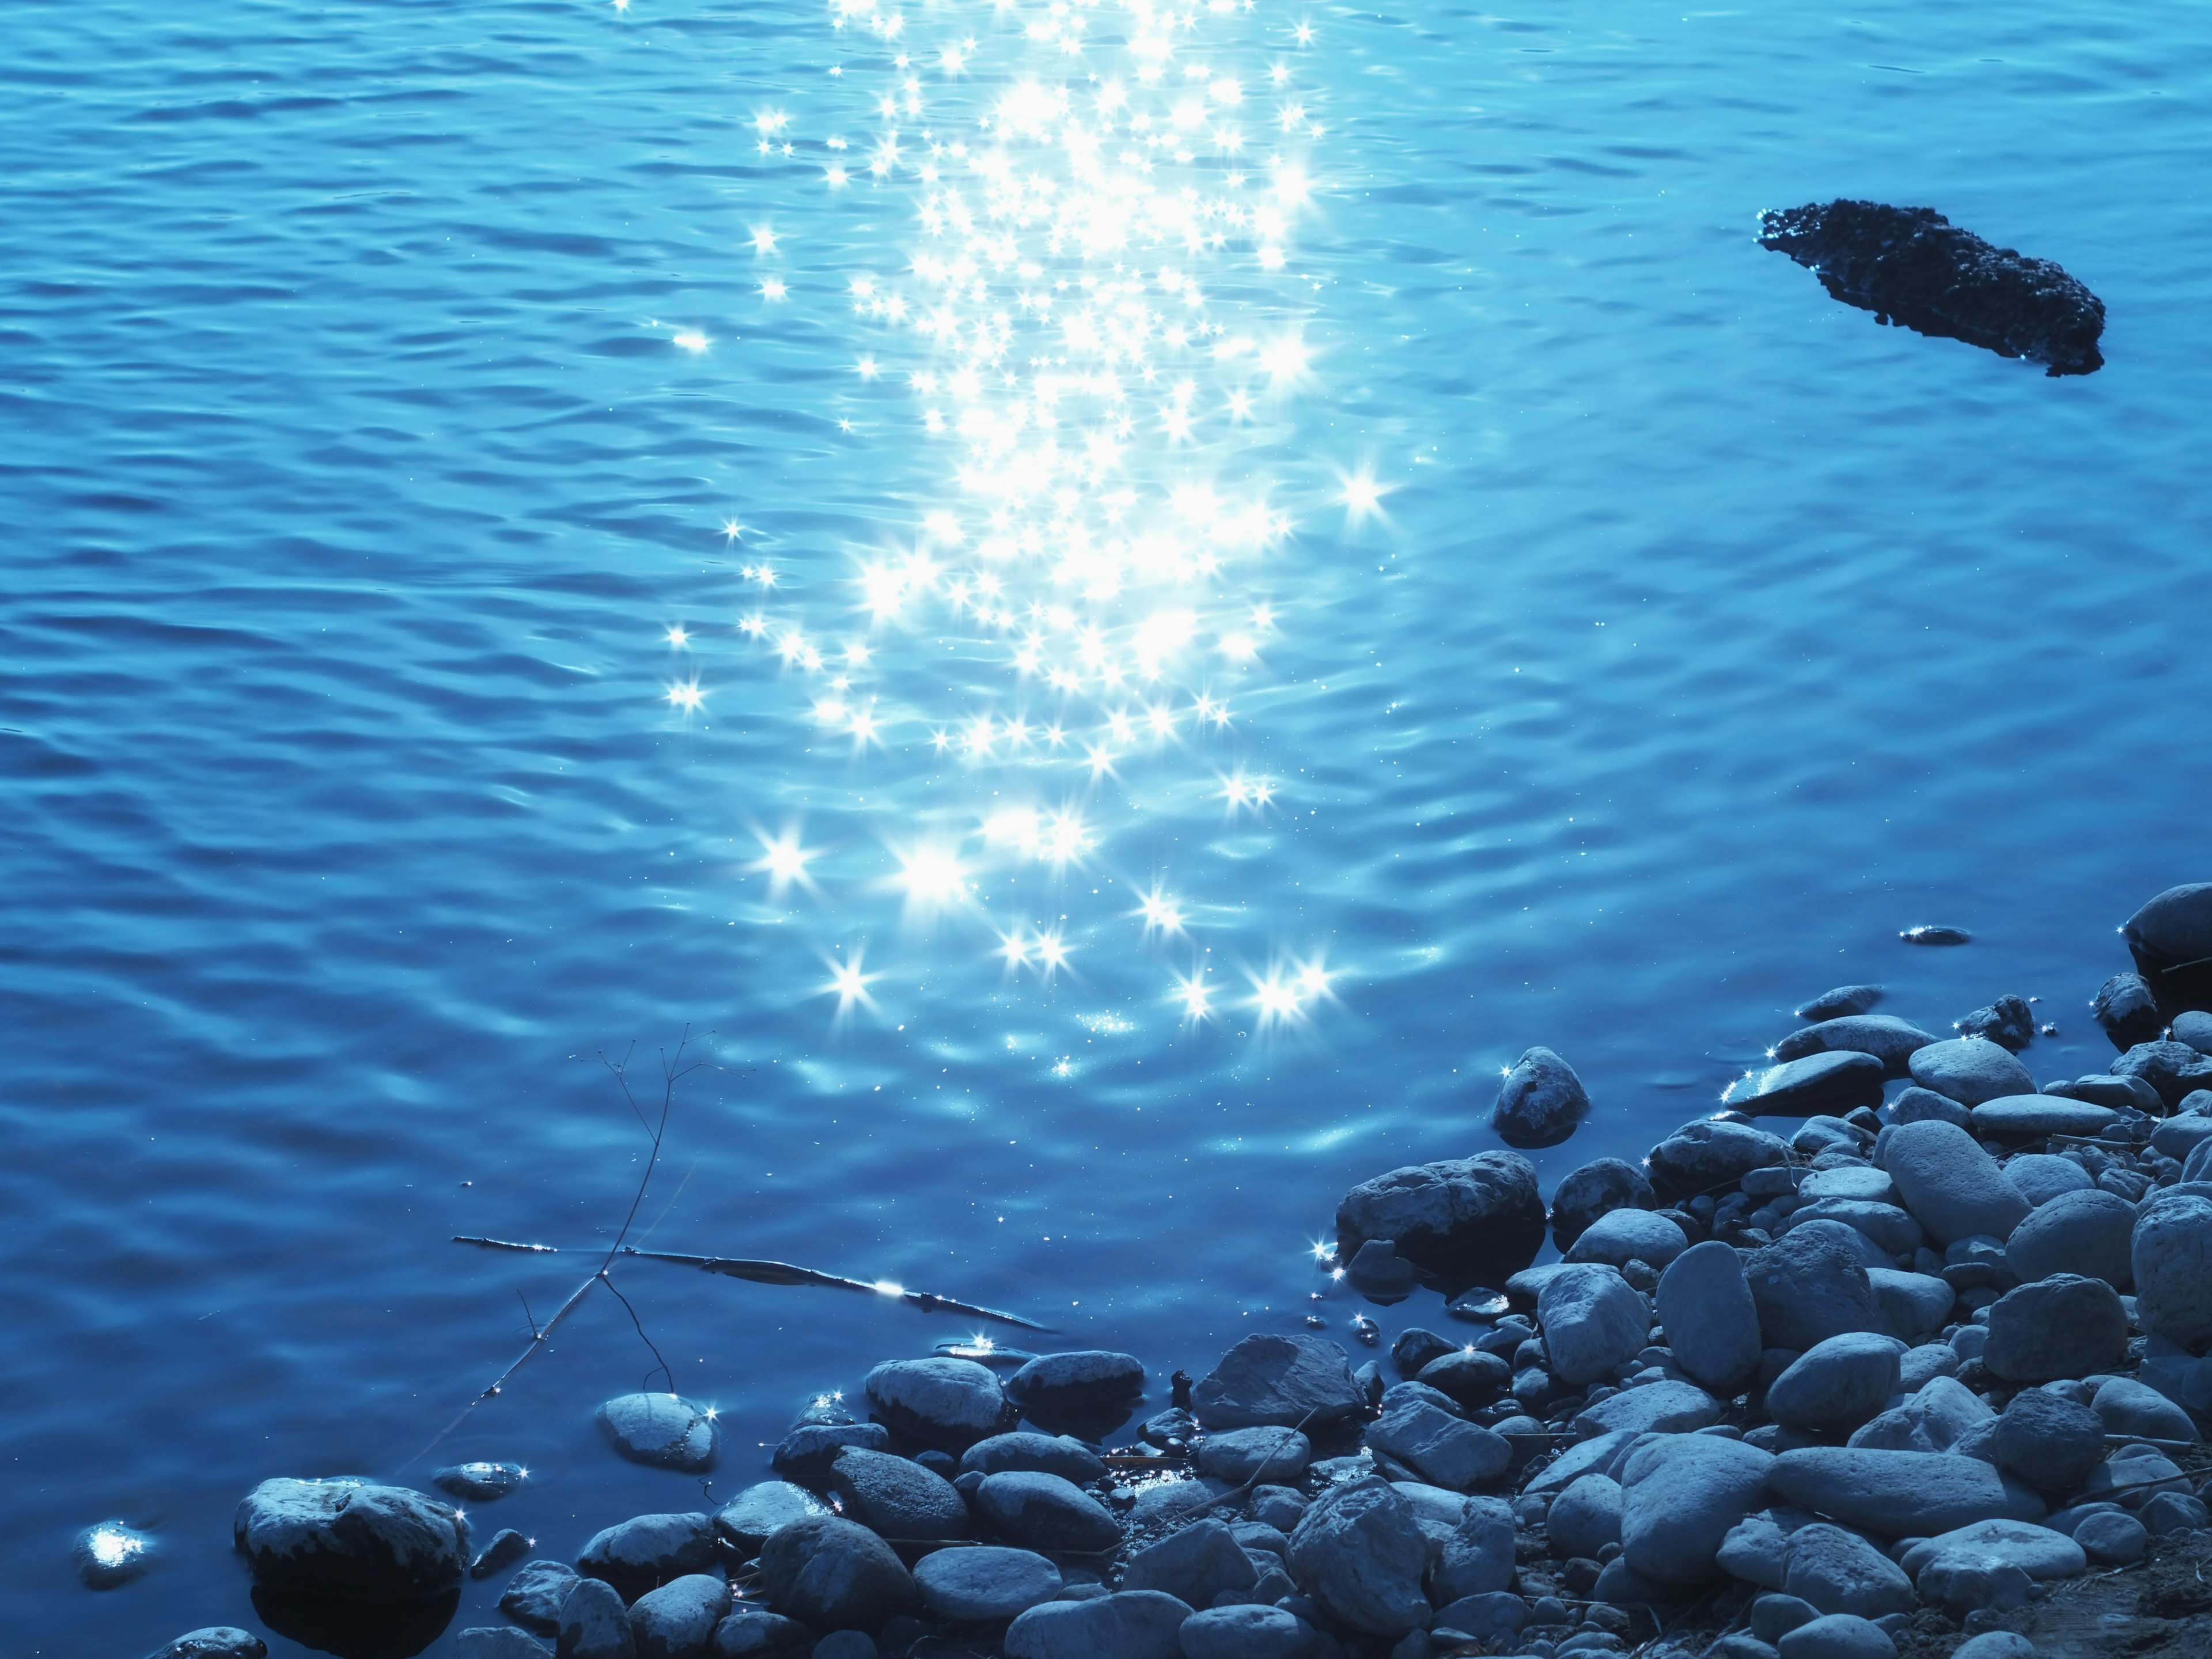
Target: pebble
(2171,1254)
(2048,1441)
(2089,1232)
(1887,1038)
(647,1551)
(1592,1321)
(1897,1494)
(216,1642)
(1623,1235)
(1586,1517)
(944,1404)
(1712,1153)
(985,1585)
(2112,1538)
(2042,1177)
(1971,1070)
(2038,1552)
(2126,1406)
(663,1430)
(1194,1565)
(1133,1625)
(1044,1512)
(1839,1571)
(1464,1215)
(1596,1189)
(351,1539)
(1811,1284)
(480,1482)
(677,1621)
(1281,1380)
(897,1497)
(1837,1384)
(1953,1187)
(1442,1449)
(2036,1117)
(1089,1388)
(1238,1455)
(2062,1326)
(1710,1318)
(1360,1552)
(1935,933)
(1245,1632)
(1681,1495)
(1837,1635)
(534,1596)
(1540,1101)
(834,1574)
(1833,1082)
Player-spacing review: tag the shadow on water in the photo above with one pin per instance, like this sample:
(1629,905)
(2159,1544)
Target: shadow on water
(356,1629)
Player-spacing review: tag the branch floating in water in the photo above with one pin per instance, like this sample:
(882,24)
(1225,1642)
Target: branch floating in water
(784,1272)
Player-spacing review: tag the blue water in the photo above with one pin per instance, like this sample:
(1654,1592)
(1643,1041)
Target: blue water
(1619,641)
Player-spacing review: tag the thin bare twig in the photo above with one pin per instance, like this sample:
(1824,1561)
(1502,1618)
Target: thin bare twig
(785,1272)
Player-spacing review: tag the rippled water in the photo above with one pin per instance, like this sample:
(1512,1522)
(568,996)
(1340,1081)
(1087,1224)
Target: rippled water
(1618,641)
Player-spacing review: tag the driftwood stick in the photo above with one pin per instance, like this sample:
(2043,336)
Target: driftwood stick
(785,1272)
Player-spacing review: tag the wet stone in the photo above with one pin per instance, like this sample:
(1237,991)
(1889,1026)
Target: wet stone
(1474,1218)
(756,1633)
(1627,1235)
(834,1575)
(2064,1326)
(1596,1189)
(479,1482)
(1469,1381)
(1811,1284)
(506,1548)
(2009,1021)
(947,1405)
(1888,1039)
(1710,1153)
(1831,1082)
(594,1624)
(215,1642)
(1282,1380)
(677,1621)
(1071,1460)
(897,1498)
(351,1539)
(1842,1000)
(534,1596)
(1971,1070)
(1043,1512)
(1078,1390)
(2128,1010)
(1540,1101)
(758,1510)
(662,1430)
(648,1551)
(1238,1455)
(1135,1625)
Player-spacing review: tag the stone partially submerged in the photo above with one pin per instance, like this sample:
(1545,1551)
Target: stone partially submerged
(1913,267)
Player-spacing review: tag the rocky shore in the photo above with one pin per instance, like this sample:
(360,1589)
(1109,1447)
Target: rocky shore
(1923,1373)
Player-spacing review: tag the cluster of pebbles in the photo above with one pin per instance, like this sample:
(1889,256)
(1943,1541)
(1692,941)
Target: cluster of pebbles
(1901,1381)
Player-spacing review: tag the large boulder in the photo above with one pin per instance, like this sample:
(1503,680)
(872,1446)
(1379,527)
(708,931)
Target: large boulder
(1831,1082)
(1041,1511)
(1953,1187)
(2171,939)
(947,1405)
(1360,1551)
(1710,1153)
(647,1551)
(663,1430)
(1598,1187)
(1540,1101)
(1711,1319)
(1473,1219)
(2088,1232)
(834,1574)
(351,1540)
(1286,1380)
(1971,1070)
(1897,1494)
(1132,1625)
(2171,1254)
(1810,1284)
(1680,1494)
(1890,1040)
(2064,1326)
(1592,1319)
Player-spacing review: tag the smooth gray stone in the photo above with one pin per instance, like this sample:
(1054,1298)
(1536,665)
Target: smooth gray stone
(1360,1553)
(1897,1494)
(1680,1494)
(1236,1455)
(1839,1571)
(2120,1093)
(2042,1177)
(1818,1083)
(2173,1511)
(1995,1645)
(677,1621)
(1585,1517)
(1281,1380)
(985,1585)
(1132,1625)
(1836,1385)
(1710,1153)
(1919,1366)
(1651,1408)
(1469,1381)
(2089,1232)
(2062,1326)
(1891,1229)
(1598,1187)
(351,1538)
(498,1642)
(1245,1632)
(2034,1116)
(897,1497)
(1710,1318)
(1824,1134)
(1592,1322)
(2178,1137)
(1478,1557)
(1405,1394)
(594,1624)
(1442,1449)
(1773,1615)
(1810,1284)
(1044,1453)
(805,1453)
(754,1633)
(1588,1457)
(2127,1008)
(1064,1389)
(834,1574)
(1918,1105)
(1043,1512)
(216,1642)
(2171,1255)
(2047,1440)
(944,1404)
(647,1551)
(1842,1000)
(1971,1070)
(759,1511)
(2112,1538)
(1954,1188)
(1194,1565)
(662,1430)
(534,1596)
(1837,1635)
(1540,1101)
(1176,1501)
(2194,1027)
(1890,1040)
(2126,1406)
(1862,1181)
(1621,1236)
(2039,1551)
(1485,1616)
(1913,1306)
(2131,1473)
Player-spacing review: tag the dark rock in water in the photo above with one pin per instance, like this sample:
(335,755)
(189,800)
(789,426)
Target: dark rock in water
(1416,1347)
(1089,1392)
(534,1596)
(2009,1021)
(983,1351)
(1600,1186)
(663,1430)
(1914,267)
(1927,934)
(112,1554)
(1465,1220)
(1887,1038)
(348,1539)
(1379,1274)
(479,1482)
(808,1450)
(1540,1101)
(1843,1000)
(216,1642)
(748,1518)
(354,1627)
(506,1548)
(1710,1153)
(1469,1379)
(2127,1008)
(647,1551)
(1174,1423)
(946,1404)
(1820,1083)
(2170,939)
(2174,1069)
(834,1575)
(498,1642)
(1282,1380)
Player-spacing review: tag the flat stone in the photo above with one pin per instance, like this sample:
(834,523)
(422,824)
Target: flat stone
(897,1497)
(648,1551)
(2038,1552)
(1893,1229)
(1277,1455)
(351,1539)
(1681,1495)
(758,1510)
(479,1482)
(1041,1511)
(506,1547)
(1281,1380)
(1540,1101)
(1897,1494)
(1361,1554)
(2089,1232)
(1954,1188)
(1476,1219)
(2063,1325)
(1710,1317)
(1839,1571)
(1651,1408)
(534,1596)
(1245,1632)
(1194,1564)
(677,1621)
(834,1574)
(663,1430)
(1889,1040)
(1046,1453)
(1971,1070)
(944,1404)
(1835,1386)
(1810,1284)
(985,1585)
(1820,1083)
(2170,1254)
(1442,1449)
(1598,1187)
(1621,1236)
(1133,1625)
(1712,1153)
(2035,1117)
(2112,1538)
(1592,1321)
(1861,1182)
